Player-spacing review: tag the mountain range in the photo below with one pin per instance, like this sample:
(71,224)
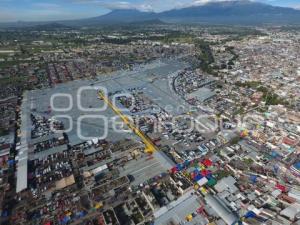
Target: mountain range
(224,12)
(234,12)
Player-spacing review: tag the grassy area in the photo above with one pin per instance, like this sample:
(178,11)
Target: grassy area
(4,55)
(223,173)
(249,84)
(274,99)
(232,52)
(205,56)
(3,132)
(236,31)
(235,140)
(268,96)
(181,38)
(240,111)
(8,64)
(248,161)
(170,37)
(38,49)
(16,81)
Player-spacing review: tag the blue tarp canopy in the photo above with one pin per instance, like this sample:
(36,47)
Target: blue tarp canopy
(250,214)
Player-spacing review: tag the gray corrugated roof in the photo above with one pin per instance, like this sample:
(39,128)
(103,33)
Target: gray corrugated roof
(202,94)
(22,164)
(22,167)
(224,212)
(50,151)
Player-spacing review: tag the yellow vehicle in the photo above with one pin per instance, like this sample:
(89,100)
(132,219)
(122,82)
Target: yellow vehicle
(203,190)
(189,218)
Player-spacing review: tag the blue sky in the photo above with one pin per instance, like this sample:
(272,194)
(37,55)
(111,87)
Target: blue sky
(44,10)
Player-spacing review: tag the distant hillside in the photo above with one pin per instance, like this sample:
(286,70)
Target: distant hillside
(121,16)
(238,12)
(50,27)
(148,22)
(230,8)
(225,12)
(232,12)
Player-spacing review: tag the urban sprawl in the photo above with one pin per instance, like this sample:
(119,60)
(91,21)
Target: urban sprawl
(201,125)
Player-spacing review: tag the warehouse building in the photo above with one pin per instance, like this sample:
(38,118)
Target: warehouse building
(221,209)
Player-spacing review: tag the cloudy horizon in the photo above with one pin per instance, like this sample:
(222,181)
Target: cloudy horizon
(51,10)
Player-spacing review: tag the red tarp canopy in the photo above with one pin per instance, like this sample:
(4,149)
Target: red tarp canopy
(174,170)
(207,162)
(204,173)
(281,187)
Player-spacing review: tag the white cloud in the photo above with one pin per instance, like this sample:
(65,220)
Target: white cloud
(47,10)
(201,2)
(126,5)
(108,4)
(44,5)
(296,6)
(146,5)
(182,4)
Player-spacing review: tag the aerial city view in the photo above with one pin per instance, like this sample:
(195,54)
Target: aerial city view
(150,112)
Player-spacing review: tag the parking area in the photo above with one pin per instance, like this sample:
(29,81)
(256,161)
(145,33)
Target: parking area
(91,125)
